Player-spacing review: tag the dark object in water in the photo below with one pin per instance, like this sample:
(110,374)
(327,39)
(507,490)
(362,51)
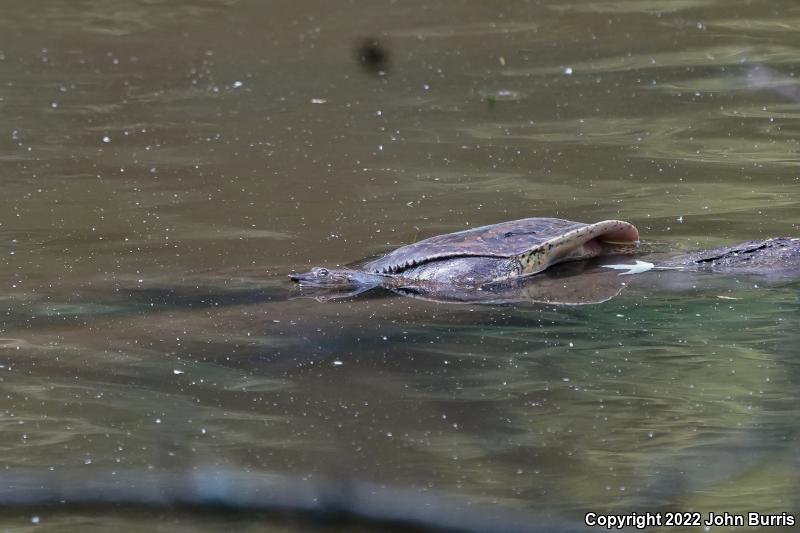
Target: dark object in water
(315,502)
(373,56)
(779,256)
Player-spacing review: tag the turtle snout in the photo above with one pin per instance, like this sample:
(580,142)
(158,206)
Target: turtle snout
(302,279)
(317,276)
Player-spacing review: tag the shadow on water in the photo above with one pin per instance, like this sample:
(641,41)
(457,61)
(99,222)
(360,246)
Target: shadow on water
(649,401)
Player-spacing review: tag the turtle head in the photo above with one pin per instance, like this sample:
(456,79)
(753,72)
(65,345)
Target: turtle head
(343,279)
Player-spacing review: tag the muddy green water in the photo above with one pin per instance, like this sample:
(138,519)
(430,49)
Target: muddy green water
(165,164)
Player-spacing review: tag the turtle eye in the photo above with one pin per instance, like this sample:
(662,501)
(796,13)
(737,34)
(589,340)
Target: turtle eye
(322,272)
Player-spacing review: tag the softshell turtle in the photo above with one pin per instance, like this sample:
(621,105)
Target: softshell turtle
(541,260)
(478,258)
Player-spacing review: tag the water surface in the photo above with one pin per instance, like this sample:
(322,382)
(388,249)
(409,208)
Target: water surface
(165,165)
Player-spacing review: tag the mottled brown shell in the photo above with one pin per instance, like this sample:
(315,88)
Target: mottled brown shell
(506,239)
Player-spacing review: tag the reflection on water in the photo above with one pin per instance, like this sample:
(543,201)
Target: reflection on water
(166,164)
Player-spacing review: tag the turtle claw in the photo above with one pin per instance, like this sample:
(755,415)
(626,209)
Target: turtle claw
(638,268)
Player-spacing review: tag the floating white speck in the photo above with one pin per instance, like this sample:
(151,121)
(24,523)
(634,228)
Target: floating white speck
(319,101)
(680,219)
(638,268)
(568,71)
(106,139)
(178,372)
(35,519)
(337,363)
(237,84)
